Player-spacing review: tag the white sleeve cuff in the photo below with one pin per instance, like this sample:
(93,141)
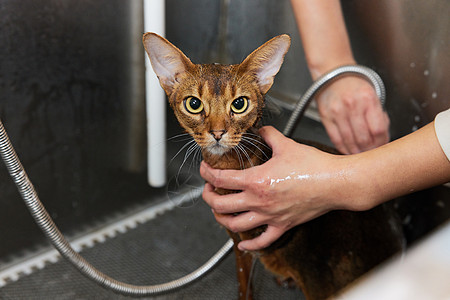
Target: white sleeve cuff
(442,128)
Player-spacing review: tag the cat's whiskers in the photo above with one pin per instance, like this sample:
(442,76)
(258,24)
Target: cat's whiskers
(238,148)
(247,134)
(250,133)
(186,136)
(189,151)
(241,161)
(254,137)
(247,155)
(196,158)
(181,149)
(249,149)
(253,142)
(256,146)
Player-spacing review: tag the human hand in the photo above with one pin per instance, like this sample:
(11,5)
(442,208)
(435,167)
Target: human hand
(353,116)
(297,184)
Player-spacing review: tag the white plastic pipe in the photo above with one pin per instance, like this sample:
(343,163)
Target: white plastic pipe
(154,21)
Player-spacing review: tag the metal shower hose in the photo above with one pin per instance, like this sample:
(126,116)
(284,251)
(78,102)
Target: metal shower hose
(44,221)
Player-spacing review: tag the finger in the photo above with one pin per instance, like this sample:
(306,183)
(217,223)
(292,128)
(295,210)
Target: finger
(223,204)
(272,137)
(378,122)
(241,222)
(226,179)
(360,128)
(335,136)
(263,241)
(347,136)
(209,195)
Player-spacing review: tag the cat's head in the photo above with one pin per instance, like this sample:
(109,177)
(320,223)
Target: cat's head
(216,103)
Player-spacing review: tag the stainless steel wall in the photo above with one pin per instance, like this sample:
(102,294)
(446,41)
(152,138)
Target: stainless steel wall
(66,100)
(407,42)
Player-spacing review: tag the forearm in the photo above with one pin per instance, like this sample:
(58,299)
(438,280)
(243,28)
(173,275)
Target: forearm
(409,164)
(324,36)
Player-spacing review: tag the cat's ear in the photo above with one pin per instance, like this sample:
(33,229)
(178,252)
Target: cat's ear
(266,61)
(167,61)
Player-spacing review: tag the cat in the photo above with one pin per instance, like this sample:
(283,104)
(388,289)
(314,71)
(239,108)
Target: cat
(220,106)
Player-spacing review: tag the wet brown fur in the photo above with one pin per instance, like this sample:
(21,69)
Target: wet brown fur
(322,256)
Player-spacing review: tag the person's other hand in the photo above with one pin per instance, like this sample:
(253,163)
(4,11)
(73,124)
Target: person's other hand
(353,116)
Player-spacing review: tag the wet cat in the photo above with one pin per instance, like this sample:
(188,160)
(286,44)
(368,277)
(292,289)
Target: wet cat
(220,106)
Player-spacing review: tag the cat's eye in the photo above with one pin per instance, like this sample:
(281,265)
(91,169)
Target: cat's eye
(193,105)
(239,105)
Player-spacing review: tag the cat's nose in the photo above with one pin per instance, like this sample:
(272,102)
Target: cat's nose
(217,134)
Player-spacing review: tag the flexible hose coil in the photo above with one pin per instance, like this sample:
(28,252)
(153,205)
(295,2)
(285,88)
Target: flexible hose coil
(304,101)
(46,224)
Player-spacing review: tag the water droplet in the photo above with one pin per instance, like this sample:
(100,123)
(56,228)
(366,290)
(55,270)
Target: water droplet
(407,219)
(414,128)
(417,119)
(434,95)
(412,65)
(426,72)
(440,203)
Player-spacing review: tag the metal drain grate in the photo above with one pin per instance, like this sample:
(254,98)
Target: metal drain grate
(160,244)
(120,225)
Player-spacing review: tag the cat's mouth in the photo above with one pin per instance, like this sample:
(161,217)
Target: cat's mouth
(218,149)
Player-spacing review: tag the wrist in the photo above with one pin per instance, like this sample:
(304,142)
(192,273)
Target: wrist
(359,192)
(319,67)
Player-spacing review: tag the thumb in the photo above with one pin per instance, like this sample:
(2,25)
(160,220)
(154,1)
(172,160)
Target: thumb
(272,137)
(263,241)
